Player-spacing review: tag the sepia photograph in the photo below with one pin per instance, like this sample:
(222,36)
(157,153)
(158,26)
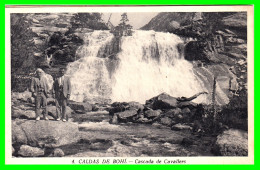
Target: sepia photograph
(129,85)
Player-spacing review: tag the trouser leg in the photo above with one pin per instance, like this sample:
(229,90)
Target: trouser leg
(64,108)
(44,105)
(38,105)
(58,108)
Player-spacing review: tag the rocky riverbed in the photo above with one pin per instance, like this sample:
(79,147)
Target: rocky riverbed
(162,127)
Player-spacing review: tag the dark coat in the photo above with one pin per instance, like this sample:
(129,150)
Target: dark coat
(66,87)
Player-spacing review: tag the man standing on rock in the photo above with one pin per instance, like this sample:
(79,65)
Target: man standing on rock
(39,90)
(61,92)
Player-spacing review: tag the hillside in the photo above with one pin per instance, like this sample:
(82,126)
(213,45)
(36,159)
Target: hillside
(168,21)
(47,40)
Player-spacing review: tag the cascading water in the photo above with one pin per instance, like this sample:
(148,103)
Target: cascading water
(151,64)
(148,64)
(89,75)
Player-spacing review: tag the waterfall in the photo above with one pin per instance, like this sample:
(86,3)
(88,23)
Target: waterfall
(89,75)
(148,64)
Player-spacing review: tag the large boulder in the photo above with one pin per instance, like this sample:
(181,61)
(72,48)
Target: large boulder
(188,104)
(50,134)
(117,107)
(53,113)
(28,151)
(58,152)
(21,96)
(127,114)
(152,113)
(232,142)
(135,105)
(26,114)
(166,121)
(123,106)
(18,135)
(80,107)
(172,112)
(186,113)
(162,101)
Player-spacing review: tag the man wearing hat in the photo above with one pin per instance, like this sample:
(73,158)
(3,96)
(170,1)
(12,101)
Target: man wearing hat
(39,90)
(61,92)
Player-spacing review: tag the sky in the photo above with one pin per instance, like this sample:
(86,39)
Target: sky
(137,20)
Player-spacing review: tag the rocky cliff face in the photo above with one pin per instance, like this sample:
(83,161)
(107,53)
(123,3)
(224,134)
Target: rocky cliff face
(168,21)
(216,44)
(46,40)
(212,39)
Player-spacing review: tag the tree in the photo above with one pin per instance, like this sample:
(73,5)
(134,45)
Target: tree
(124,18)
(123,29)
(88,20)
(22,44)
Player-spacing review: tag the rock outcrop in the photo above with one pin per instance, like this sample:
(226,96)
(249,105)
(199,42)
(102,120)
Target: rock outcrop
(163,109)
(168,21)
(232,142)
(162,101)
(28,151)
(58,152)
(216,43)
(80,107)
(44,134)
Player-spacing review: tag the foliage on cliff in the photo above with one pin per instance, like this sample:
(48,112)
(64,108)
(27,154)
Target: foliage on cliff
(88,20)
(123,28)
(63,47)
(22,44)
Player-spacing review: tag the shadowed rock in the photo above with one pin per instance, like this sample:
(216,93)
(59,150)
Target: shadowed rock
(21,96)
(80,107)
(58,152)
(28,151)
(152,113)
(172,112)
(27,114)
(127,114)
(162,101)
(166,121)
(18,135)
(53,113)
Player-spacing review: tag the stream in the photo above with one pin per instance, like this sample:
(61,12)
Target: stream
(133,140)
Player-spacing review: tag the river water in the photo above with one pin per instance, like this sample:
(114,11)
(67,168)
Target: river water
(101,139)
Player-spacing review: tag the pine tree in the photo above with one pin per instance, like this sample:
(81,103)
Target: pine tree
(123,28)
